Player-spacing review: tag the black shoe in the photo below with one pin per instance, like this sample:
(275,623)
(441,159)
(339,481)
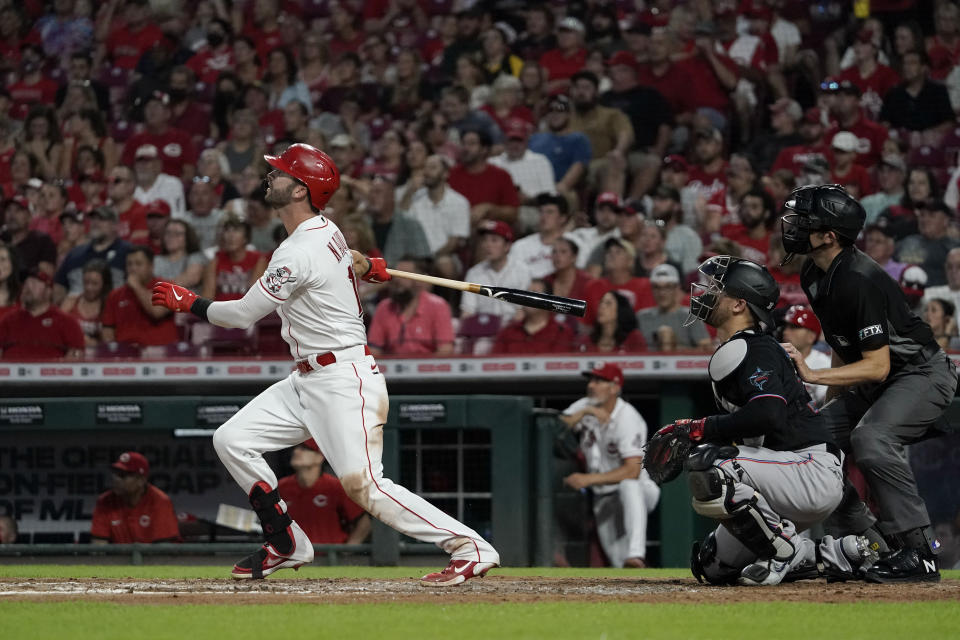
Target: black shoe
(806,570)
(905,565)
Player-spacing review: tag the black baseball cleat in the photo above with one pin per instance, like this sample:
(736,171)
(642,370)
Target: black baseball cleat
(905,565)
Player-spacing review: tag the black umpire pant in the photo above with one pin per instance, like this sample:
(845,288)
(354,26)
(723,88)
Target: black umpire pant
(875,423)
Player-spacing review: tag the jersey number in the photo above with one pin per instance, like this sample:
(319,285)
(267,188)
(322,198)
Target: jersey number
(356,290)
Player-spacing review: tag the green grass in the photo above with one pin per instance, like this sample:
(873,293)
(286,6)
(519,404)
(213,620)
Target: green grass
(553,620)
(556,620)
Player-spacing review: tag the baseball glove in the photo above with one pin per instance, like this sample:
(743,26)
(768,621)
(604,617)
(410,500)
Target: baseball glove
(666,451)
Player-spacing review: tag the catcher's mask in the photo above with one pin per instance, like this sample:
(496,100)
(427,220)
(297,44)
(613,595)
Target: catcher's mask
(703,297)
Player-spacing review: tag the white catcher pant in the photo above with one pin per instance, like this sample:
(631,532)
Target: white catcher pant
(621,518)
(343,407)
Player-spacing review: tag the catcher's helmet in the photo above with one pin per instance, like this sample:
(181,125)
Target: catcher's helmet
(738,278)
(820,208)
(312,167)
(800,315)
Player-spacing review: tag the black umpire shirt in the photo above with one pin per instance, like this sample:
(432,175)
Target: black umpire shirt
(861,308)
(756,385)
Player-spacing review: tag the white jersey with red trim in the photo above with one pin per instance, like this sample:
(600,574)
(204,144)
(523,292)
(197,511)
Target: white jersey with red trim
(311,277)
(605,446)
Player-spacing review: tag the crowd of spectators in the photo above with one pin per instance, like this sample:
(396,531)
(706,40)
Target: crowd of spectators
(597,149)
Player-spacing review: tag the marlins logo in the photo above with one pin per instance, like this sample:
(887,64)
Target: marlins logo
(280,277)
(759,378)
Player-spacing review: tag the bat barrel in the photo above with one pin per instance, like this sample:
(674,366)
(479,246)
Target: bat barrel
(556,304)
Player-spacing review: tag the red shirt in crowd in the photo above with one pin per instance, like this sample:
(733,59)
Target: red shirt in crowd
(754,249)
(637,291)
(150,520)
(671,85)
(879,82)
(857,176)
(493,185)
(52,334)
(560,66)
(428,327)
(793,158)
(791,292)
(132,224)
(25,95)
(700,83)
(272,125)
(125,46)
(175,146)
(871,137)
(552,338)
(234,276)
(320,508)
(48,225)
(266,40)
(124,313)
(208,64)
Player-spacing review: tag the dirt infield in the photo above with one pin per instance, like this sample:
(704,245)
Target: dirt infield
(492,589)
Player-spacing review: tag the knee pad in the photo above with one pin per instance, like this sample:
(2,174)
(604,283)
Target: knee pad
(705,565)
(273,519)
(712,492)
(703,457)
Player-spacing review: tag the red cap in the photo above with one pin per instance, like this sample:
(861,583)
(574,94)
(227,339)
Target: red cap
(516,128)
(19,200)
(611,199)
(158,208)
(677,163)
(609,372)
(311,444)
(42,276)
(497,227)
(132,462)
(625,58)
(757,9)
(800,315)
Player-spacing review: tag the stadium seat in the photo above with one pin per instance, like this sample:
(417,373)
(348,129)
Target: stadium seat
(181,350)
(230,342)
(475,334)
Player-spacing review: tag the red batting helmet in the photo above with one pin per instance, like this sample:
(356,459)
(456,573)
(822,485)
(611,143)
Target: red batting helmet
(800,315)
(310,166)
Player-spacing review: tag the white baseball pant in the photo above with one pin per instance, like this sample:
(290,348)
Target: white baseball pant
(621,518)
(343,407)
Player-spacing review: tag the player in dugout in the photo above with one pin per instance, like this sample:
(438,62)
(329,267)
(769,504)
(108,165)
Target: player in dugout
(133,510)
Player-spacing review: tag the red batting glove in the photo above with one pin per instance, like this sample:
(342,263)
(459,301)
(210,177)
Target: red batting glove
(377,273)
(173,297)
(693,428)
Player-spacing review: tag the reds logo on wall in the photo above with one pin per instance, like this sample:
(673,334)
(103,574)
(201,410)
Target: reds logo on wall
(276,280)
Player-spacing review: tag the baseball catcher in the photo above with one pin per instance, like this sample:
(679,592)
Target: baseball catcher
(766,468)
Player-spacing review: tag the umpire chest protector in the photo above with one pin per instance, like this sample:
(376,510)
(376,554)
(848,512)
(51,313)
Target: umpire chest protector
(753,368)
(861,308)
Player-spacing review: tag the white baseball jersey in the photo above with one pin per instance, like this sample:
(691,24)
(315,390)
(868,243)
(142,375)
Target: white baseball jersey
(311,278)
(513,275)
(605,446)
(449,218)
(532,172)
(534,254)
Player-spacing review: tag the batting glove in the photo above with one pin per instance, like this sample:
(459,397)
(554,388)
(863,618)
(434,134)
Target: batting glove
(693,428)
(173,297)
(377,273)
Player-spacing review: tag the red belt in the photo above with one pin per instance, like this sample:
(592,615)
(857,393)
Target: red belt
(323,359)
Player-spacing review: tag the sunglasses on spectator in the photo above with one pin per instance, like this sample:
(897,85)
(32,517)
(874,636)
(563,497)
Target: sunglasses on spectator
(204,179)
(124,474)
(115,180)
(829,86)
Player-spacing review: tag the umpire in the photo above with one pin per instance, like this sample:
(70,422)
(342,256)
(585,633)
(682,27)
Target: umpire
(898,381)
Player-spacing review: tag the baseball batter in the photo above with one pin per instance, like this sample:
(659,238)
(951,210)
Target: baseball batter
(612,433)
(784,474)
(335,394)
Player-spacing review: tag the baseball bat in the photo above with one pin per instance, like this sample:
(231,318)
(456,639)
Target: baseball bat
(557,304)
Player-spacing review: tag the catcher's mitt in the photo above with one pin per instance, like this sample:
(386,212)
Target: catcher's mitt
(665,453)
